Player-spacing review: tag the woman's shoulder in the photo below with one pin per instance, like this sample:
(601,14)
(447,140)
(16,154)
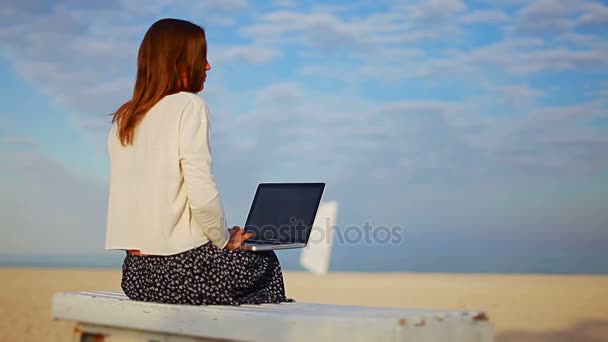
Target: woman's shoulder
(192,108)
(186,99)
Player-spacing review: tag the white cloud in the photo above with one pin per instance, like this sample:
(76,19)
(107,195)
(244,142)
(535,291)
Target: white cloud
(514,56)
(66,54)
(485,17)
(285,3)
(595,15)
(71,54)
(555,16)
(433,149)
(327,31)
(505,3)
(190,7)
(578,39)
(423,135)
(516,95)
(384,31)
(244,54)
(322,30)
(229,6)
(434,12)
(547,16)
(279,94)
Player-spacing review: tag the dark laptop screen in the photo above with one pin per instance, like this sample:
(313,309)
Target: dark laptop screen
(284,212)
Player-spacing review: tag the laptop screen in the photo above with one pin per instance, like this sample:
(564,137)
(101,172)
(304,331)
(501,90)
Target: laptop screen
(284,212)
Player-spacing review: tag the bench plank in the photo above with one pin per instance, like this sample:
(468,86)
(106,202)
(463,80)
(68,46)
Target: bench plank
(274,322)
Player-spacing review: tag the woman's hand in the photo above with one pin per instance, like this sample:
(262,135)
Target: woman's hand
(237,237)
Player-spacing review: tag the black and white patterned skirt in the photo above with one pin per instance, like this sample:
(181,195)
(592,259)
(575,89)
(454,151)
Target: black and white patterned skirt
(206,275)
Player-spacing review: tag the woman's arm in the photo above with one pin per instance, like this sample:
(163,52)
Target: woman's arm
(196,162)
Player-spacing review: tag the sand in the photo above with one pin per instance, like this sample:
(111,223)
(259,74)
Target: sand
(521,307)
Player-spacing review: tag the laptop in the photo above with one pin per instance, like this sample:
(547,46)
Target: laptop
(282,215)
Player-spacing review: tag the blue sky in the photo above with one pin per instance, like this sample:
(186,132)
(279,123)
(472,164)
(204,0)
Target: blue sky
(482,123)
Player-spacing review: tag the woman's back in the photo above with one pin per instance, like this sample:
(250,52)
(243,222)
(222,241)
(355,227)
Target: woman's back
(148,200)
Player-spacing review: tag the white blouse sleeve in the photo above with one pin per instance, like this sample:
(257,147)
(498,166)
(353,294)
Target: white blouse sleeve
(197,166)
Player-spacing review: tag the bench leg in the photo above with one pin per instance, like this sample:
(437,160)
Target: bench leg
(91,338)
(81,336)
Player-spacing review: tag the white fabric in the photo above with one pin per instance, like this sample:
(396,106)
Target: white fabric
(315,256)
(163,196)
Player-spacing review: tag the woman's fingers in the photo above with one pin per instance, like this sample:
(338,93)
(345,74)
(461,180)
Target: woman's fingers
(242,236)
(247,236)
(237,237)
(236,231)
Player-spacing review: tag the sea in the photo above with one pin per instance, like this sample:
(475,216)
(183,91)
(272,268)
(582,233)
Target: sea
(389,258)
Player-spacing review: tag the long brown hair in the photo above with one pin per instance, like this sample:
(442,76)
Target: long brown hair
(169,47)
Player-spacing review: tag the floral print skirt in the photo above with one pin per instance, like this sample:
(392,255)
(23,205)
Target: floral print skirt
(206,275)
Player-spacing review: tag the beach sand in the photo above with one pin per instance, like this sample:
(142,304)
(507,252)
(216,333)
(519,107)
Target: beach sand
(522,307)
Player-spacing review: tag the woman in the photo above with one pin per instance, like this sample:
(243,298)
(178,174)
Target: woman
(164,207)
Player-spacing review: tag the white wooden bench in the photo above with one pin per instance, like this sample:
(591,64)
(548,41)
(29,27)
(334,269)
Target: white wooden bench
(111,316)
